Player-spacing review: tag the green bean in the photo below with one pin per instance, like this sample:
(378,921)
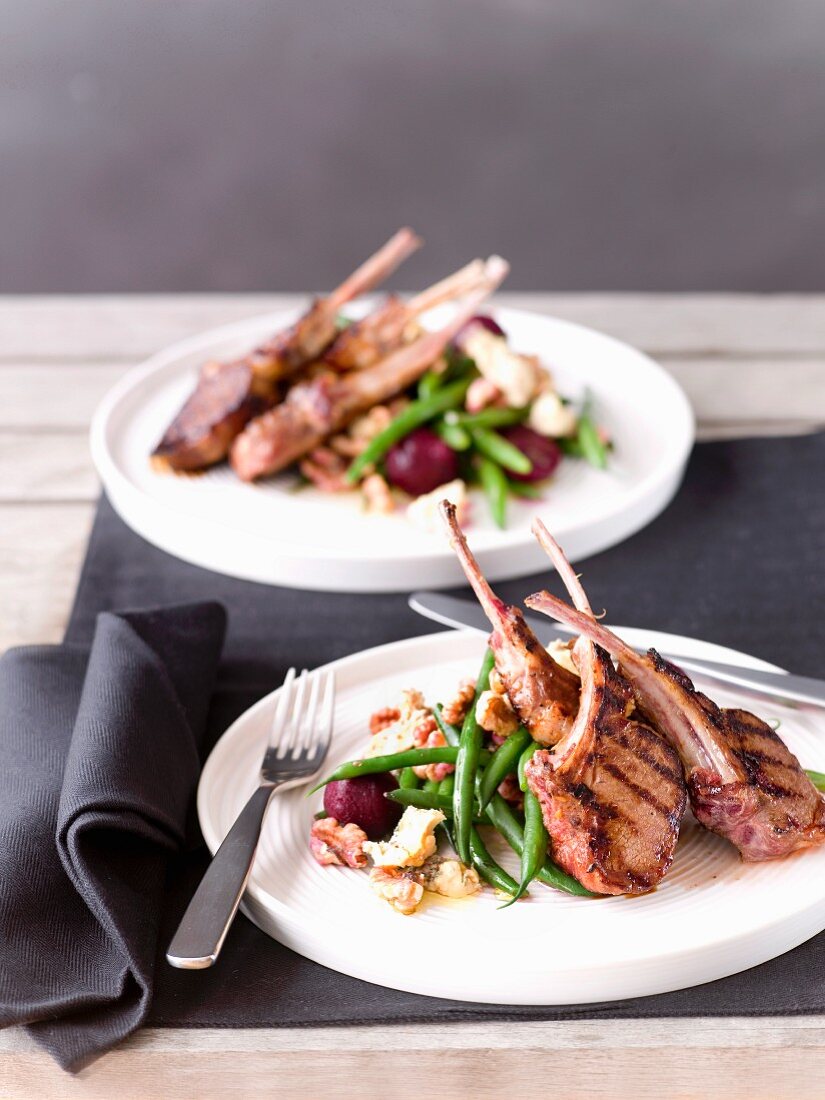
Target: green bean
(491,418)
(451,734)
(428,383)
(320,815)
(534,849)
(525,489)
(500,450)
(431,786)
(454,435)
(408,779)
(430,800)
(374,765)
(817,778)
(495,488)
(592,447)
(481,859)
(571,447)
(415,414)
(487,866)
(447,785)
(466,765)
(588,439)
(505,760)
(510,828)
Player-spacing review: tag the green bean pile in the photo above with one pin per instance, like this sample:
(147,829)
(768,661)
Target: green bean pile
(486,457)
(469,798)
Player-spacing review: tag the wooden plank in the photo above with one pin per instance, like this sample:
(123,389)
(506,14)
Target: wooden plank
(40,555)
(64,396)
(46,467)
(59,396)
(131,327)
(607,1059)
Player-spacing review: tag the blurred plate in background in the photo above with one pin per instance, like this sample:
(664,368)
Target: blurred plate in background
(268,532)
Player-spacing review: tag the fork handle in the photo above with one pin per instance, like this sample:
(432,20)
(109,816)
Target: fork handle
(209,915)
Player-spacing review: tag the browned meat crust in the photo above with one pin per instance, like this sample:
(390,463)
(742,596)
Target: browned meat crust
(326,403)
(612,800)
(744,782)
(226,397)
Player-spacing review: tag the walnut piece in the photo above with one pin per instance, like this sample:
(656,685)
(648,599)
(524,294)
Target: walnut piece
(397,888)
(455,710)
(494,714)
(332,843)
(378,497)
(381,719)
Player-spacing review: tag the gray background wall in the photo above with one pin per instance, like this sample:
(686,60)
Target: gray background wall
(234,144)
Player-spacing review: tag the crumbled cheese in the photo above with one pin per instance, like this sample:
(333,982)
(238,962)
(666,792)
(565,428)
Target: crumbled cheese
(412,842)
(519,377)
(395,738)
(550,416)
(403,733)
(449,877)
(423,511)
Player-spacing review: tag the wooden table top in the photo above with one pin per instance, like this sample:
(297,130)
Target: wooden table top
(752,365)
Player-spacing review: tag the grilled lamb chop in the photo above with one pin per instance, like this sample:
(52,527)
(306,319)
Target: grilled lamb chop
(544,695)
(612,793)
(228,395)
(326,403)
(743,781)
(393,323)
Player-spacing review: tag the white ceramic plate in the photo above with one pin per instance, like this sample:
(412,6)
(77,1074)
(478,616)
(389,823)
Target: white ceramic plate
(713,915)
(268,533)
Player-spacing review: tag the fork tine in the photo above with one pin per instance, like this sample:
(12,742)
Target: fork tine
(324,725)
(283,708)
(292,732)
(310,726)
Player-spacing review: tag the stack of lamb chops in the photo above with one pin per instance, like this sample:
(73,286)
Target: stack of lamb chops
(629,745)
(268,408)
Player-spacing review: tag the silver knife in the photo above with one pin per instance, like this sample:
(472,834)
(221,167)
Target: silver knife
(458,613)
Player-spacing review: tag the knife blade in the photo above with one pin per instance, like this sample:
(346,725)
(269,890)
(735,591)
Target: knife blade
(457,613)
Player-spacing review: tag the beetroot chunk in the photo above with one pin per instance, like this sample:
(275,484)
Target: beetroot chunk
(544,453)
(362,802)
(420,462)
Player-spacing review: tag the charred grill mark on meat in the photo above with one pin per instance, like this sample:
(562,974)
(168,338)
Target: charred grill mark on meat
(322,405)
(544,695)
(612,794)
(228,395)
(744,782)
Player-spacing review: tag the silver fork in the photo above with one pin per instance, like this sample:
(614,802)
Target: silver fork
(298,744)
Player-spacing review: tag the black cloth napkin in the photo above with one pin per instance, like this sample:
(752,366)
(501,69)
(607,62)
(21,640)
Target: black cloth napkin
(736,559)
(99,758)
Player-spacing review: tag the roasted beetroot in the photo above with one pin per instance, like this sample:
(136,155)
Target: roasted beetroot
(484,321)
(420,462)
(362,802)
(544,453)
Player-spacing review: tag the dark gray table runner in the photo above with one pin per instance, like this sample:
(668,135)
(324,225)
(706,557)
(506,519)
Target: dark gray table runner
(736,559)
